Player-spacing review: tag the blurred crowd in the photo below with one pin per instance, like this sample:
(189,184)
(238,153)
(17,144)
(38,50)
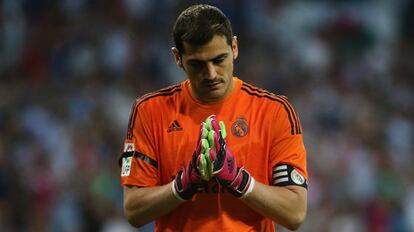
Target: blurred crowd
(70,71)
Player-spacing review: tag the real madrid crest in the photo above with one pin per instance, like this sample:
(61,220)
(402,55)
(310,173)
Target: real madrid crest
(240,128)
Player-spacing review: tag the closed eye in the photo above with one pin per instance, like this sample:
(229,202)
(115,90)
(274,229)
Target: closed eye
(218,61)
(195,64)
(198,64)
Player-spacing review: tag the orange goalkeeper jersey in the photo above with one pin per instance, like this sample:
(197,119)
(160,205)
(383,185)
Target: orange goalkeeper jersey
(263,132)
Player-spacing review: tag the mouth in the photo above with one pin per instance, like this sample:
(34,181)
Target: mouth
(213,85)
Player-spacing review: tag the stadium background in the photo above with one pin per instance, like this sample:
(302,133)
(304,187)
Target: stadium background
(71,69)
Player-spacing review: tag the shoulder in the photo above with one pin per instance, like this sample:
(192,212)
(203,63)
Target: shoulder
(260,94)
(279,103)
(159,97)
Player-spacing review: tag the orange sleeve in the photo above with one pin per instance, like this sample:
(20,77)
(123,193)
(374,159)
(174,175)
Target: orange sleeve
(288,151)
(139,160)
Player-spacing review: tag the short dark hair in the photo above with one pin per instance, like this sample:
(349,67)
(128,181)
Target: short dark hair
(198,24)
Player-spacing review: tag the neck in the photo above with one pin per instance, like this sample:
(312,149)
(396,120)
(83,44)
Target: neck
(202,99)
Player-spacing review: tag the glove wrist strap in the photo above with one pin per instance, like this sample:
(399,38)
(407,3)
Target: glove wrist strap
(175,193)
(250,189)
(242,184)
(179,191)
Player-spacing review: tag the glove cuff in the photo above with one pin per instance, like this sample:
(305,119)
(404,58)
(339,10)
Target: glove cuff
(174,191)
(249,189)
(182,191)
(242,185)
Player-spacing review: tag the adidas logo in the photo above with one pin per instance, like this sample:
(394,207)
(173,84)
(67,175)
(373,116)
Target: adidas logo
(175,126)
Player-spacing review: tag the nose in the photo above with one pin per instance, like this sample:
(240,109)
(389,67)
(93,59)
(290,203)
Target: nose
(211,72)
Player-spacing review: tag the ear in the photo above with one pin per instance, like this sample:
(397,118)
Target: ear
(235,47)
(177,57)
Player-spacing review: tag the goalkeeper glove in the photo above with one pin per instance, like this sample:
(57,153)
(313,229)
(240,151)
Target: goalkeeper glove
(236,180)
(189,178)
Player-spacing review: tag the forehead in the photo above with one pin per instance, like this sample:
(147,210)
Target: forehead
(216,46)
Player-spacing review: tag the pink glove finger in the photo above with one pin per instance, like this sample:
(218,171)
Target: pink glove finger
(215,124)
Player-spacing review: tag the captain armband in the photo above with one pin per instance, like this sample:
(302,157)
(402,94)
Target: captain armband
(285,174)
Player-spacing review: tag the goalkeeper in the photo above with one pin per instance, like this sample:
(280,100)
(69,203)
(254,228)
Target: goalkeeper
(213,153)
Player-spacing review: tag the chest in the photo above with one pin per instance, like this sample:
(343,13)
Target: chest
(247,137)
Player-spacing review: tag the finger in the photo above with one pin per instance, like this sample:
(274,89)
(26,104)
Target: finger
(216,164)
(202,133)
(209,167)
(205,161)
(211,139)
(208,121)
(198,148)
(204,145)
(202,166)
(203,130)
(214,124)
(223,132)
(214,140)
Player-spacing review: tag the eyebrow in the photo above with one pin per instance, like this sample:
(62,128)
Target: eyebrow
(222,55)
